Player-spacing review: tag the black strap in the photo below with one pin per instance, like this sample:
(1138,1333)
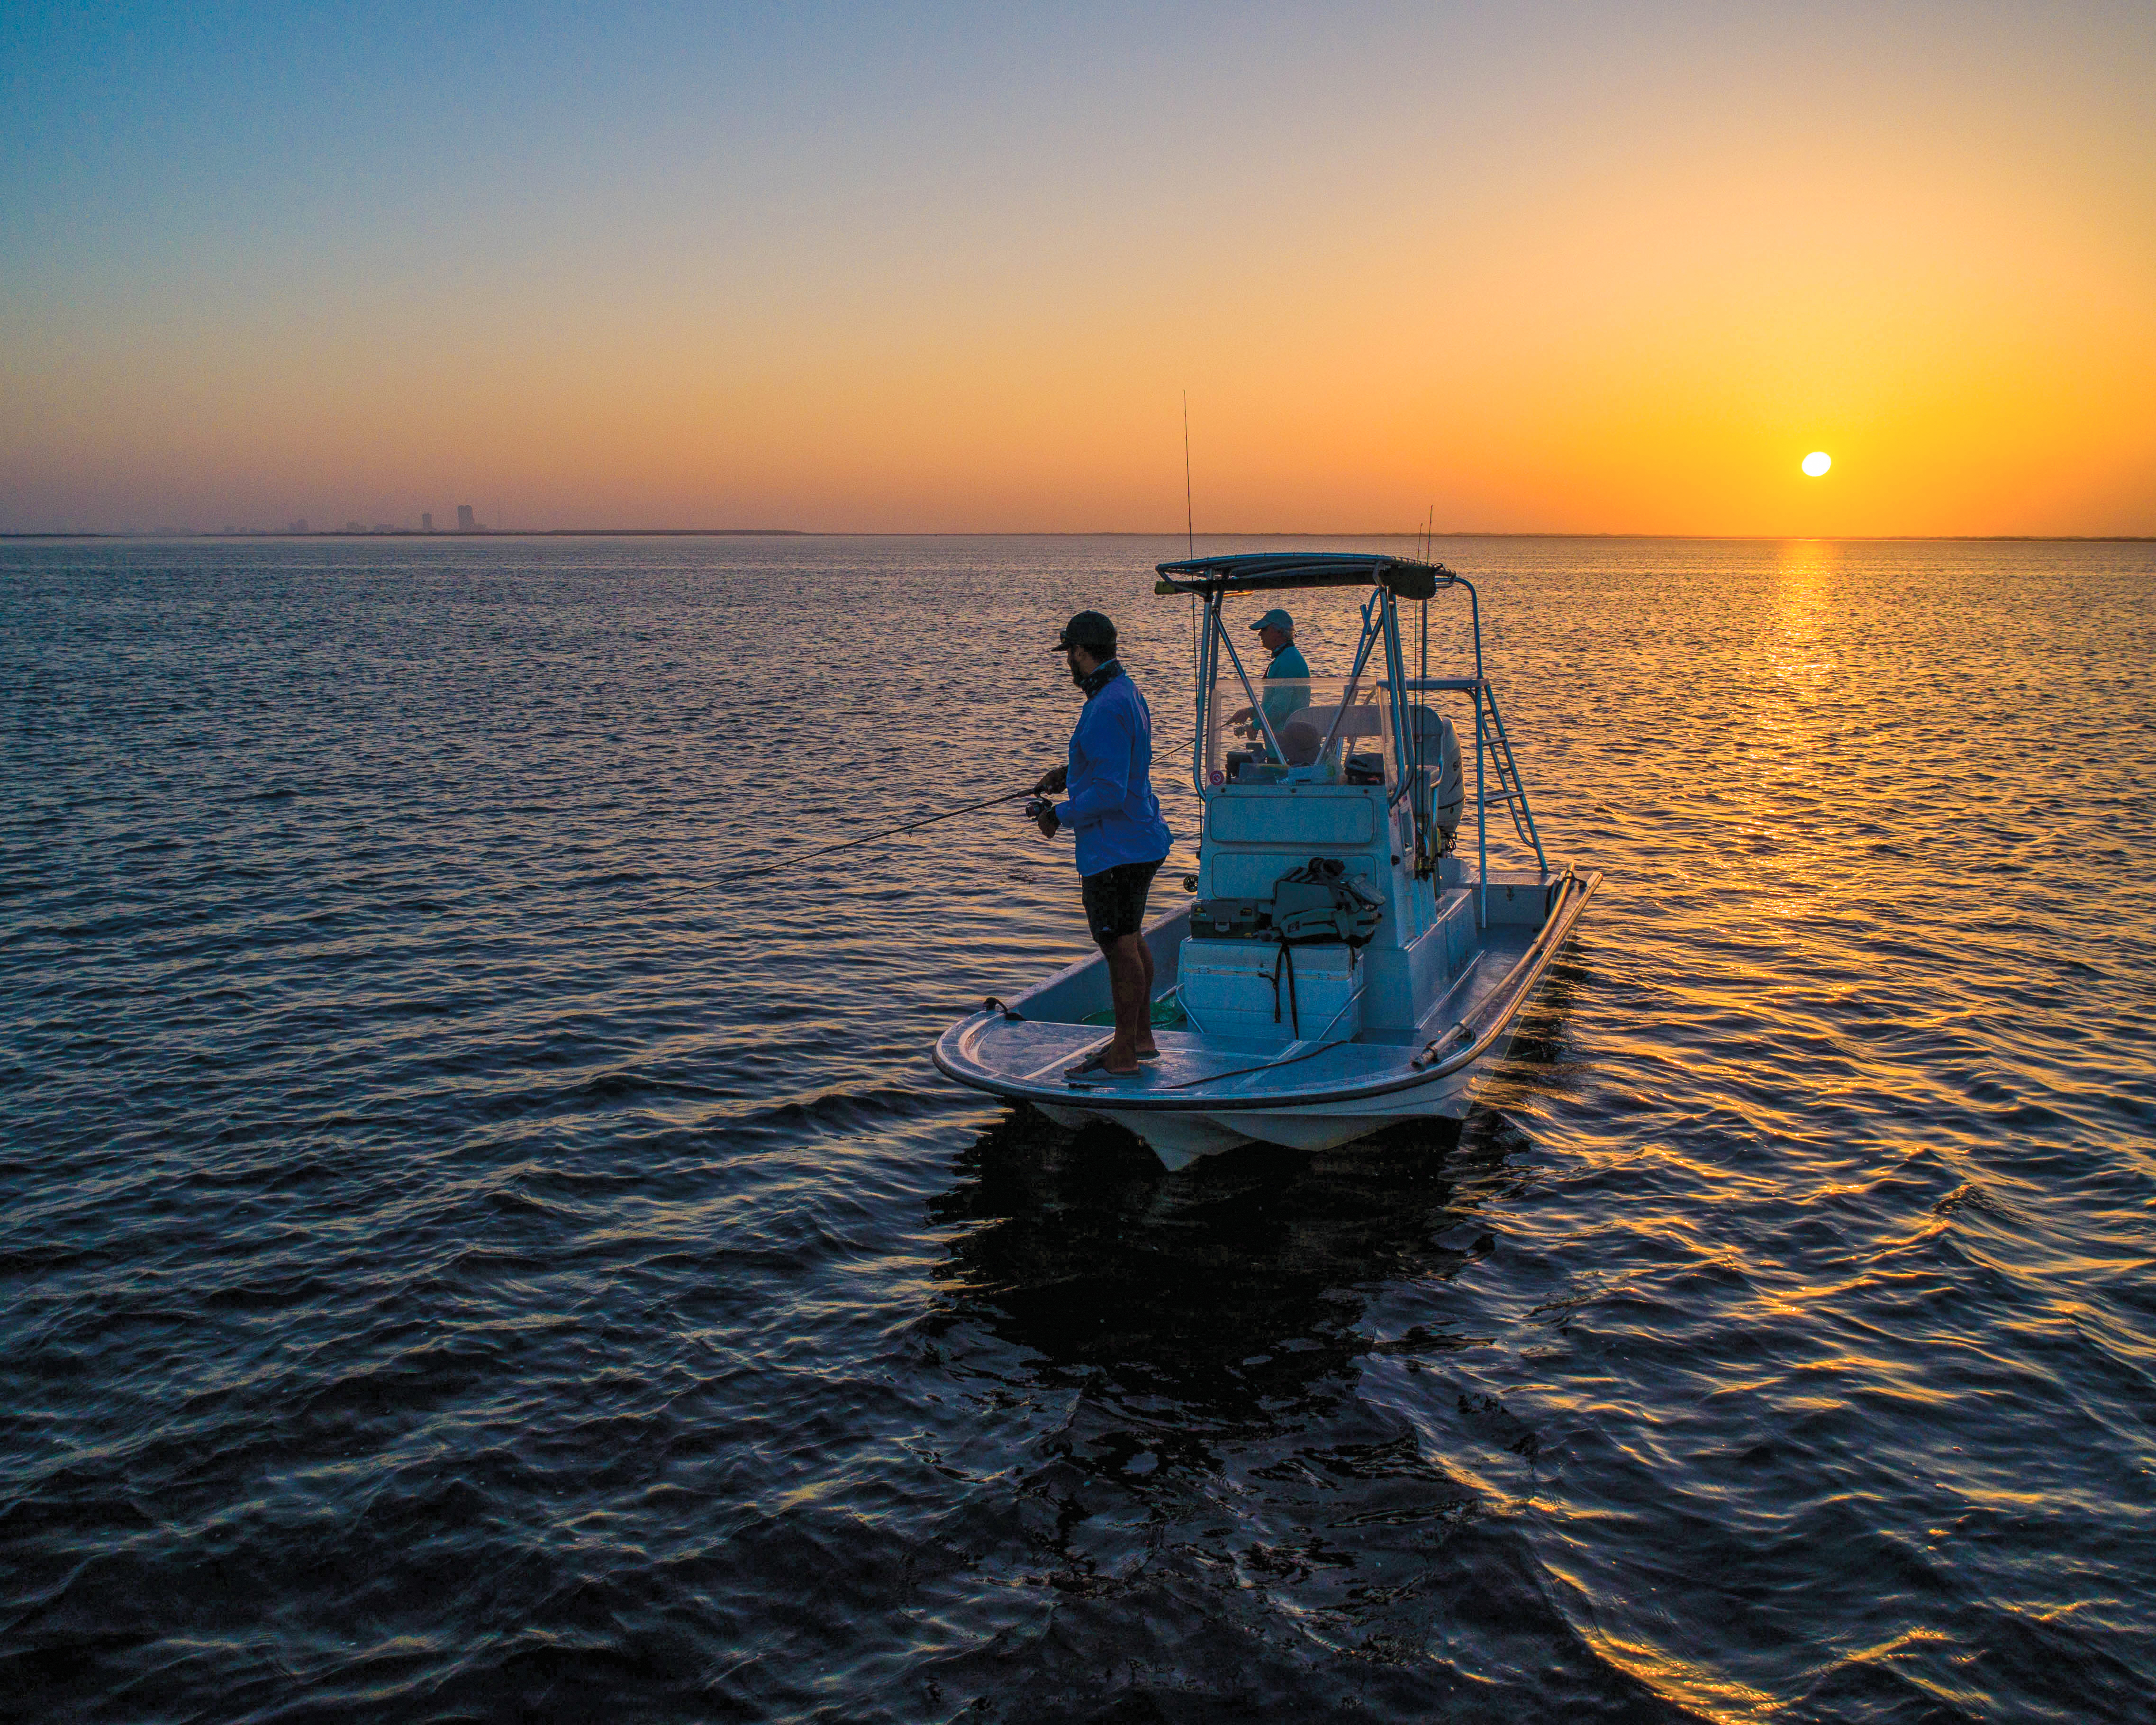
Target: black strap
(1286,961)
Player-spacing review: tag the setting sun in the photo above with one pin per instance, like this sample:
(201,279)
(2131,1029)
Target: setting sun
(1818,462)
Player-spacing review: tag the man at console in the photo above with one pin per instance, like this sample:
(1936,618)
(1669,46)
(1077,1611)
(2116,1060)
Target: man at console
(1286,685)
(1287,670)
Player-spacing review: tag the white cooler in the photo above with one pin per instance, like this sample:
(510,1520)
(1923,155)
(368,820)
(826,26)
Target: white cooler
(1226,989)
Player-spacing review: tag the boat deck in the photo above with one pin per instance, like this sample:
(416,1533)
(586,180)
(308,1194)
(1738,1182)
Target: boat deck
(1031,1057)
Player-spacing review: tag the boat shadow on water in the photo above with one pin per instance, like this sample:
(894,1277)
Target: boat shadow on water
(1227,1286)
(1198,1385)
(1240,1279)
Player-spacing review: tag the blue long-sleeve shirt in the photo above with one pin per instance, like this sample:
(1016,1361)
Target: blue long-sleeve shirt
(1113,811)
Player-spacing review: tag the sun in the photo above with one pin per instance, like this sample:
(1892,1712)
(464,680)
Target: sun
(1818,462)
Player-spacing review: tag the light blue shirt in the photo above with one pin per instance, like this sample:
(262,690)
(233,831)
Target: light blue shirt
(1113,812)
(1281,704)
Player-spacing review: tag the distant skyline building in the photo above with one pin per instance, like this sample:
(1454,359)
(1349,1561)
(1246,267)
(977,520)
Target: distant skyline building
(426,522)
(466,524)
(298,526)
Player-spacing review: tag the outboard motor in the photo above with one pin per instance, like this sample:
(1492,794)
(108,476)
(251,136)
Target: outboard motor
(1440,778)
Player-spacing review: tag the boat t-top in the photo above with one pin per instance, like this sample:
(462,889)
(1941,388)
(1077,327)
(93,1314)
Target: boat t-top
(1341,967)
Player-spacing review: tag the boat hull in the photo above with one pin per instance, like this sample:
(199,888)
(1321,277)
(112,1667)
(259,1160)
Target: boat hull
(1180,1139)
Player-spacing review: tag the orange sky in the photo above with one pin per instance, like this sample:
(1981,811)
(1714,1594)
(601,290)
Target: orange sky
(1566,271)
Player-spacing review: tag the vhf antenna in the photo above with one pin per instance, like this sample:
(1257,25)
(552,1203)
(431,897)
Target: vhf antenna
(1190,516)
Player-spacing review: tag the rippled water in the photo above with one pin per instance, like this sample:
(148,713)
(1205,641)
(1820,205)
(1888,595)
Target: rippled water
(466,1256)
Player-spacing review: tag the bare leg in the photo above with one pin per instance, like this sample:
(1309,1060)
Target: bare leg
(1126,983)
(1146,1045)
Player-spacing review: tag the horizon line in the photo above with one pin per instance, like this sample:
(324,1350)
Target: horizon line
(1092,533)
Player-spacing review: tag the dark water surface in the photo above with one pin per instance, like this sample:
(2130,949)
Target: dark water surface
(466,1257)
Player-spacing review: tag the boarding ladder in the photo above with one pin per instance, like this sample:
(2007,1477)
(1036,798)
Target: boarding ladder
(1496,775)
(1504,786)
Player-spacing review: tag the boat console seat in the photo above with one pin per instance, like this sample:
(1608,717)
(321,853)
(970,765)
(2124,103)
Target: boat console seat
(1302,737)
(1362,721)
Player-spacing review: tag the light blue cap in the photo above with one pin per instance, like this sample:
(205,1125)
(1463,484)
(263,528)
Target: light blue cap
(1276,618)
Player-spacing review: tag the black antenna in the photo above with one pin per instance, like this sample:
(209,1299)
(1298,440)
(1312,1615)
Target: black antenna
(1190,516)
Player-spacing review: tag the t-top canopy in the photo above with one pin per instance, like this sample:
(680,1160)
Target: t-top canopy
(1265,571)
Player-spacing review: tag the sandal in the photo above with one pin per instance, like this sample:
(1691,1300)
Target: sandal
(1096,1061)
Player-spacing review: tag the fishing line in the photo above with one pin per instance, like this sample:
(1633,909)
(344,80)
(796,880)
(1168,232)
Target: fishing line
(912,826)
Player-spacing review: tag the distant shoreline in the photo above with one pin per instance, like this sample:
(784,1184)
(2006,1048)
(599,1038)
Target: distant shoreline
(462,533)
(1127,533)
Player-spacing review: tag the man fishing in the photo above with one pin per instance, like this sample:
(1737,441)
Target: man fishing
(1113,814)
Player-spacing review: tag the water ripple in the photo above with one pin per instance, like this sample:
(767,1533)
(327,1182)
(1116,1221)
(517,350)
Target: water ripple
(471,1251)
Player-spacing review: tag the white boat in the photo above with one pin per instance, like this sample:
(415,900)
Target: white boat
(1341,967)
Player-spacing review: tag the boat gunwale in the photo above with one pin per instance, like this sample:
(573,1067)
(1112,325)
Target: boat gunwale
(1511,992)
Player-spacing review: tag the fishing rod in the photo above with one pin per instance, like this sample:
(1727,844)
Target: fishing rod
(912,826)
(1189,513)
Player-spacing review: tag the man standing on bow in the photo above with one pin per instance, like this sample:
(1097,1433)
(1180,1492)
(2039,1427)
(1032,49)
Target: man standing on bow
(1113,814)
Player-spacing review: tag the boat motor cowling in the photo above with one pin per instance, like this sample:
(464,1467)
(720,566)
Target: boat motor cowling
(1440,789)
